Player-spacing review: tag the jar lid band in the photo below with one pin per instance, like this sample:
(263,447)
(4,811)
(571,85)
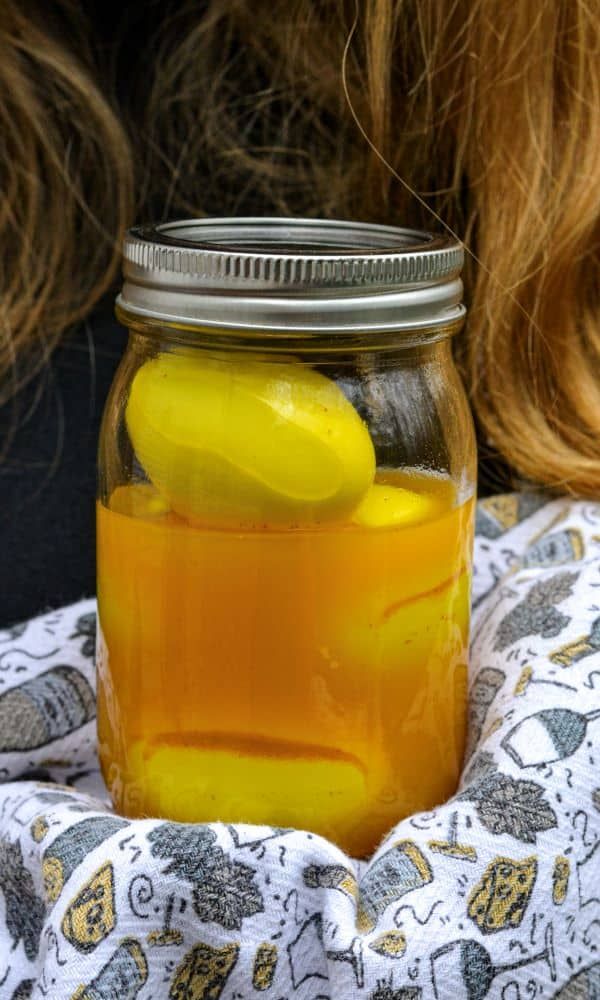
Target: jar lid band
(304,274)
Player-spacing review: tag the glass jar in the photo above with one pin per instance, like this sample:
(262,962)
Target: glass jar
(285,514)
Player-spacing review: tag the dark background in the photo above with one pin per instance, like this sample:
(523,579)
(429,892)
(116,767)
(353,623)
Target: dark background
(48,473)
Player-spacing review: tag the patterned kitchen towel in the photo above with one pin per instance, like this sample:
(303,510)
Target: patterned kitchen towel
(495,894)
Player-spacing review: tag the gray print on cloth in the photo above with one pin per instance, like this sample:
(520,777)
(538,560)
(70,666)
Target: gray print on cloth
(400,870)
(257,841)
(25,911)
(353,955)
(53,798)
(51,705)
(308,941)
(24,990)
(121,978)
(537,614)
(556,549)
(330,877)
(482,765)
(451,848)
(517,808)
(583,647)
(228,893)
(189,849)
(588,876)
(547,736)
(72,847)
(86,629)
(468,962)
(225,891)
(583,986)
(385,991)
(484,689)
(166,935)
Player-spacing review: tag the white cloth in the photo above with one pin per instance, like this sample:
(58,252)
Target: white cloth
(493,894)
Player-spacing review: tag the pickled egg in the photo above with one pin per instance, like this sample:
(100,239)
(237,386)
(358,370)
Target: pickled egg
(138,500)
(393,506)
(186,783)
(248,442)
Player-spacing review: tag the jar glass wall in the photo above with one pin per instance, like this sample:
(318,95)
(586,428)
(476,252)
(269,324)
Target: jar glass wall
(284,554)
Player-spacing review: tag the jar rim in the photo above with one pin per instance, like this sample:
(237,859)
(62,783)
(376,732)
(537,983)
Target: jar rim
(287,273)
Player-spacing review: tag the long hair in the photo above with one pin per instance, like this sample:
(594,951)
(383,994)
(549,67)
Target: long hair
(489,116)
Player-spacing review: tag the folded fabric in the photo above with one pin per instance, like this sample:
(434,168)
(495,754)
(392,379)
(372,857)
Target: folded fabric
(493,894)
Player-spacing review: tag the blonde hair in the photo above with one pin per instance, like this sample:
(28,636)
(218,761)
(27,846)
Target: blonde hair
(492,117)
(65,182)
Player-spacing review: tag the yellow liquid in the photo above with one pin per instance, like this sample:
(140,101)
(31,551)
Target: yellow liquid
(311,678)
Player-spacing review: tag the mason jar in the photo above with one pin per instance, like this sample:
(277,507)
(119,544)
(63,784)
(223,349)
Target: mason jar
(285,516)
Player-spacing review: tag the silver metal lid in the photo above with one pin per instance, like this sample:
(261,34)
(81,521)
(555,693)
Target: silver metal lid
(291,274)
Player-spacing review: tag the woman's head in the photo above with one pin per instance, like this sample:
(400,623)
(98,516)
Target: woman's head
(491,116)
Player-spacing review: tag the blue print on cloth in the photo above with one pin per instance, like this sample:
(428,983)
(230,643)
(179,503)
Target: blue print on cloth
(495,894)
